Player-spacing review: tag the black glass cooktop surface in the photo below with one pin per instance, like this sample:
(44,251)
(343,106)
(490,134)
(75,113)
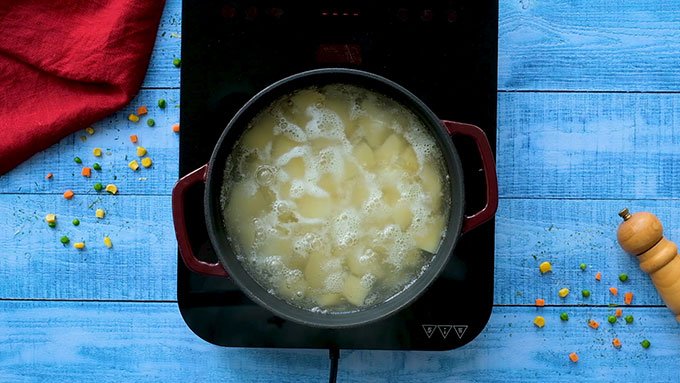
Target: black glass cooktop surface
(445,52)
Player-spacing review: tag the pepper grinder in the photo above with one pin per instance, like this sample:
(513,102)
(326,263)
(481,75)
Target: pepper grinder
(641,234)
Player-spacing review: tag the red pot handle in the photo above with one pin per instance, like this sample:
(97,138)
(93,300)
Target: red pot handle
(178,195)
(488,165)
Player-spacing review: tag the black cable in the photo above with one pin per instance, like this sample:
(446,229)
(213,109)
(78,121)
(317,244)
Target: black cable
(334,356)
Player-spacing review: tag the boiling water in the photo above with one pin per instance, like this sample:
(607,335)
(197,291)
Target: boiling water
(335,199)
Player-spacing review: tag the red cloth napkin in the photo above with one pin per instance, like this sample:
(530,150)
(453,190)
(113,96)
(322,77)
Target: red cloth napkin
(65,64)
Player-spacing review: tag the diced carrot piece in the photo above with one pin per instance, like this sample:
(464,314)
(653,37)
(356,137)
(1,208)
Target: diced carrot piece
(133,138)
(69,194)
(48,176)
(598,276)
(614,290)
(616,343)
(540,302)
(628,298)
(573,357)
(593,324)
(86,172)
(142,110)
(175,128)
(618,313)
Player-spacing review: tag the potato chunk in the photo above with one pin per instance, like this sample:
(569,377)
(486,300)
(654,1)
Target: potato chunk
(295,168)
(327,300)
(429,237)
(365,261)
(354,291)
(402,215)
(282,145)
(364,154)
(314,207)
(390,149)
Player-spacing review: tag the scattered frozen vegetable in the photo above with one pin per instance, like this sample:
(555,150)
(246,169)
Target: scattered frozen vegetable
(563,292)
(162,103)
(539,321)
(133,117)
(79,245)
(69,194)
(146,162)
(545,267)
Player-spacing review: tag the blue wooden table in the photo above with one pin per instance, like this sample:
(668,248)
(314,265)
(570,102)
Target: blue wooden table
(588,123)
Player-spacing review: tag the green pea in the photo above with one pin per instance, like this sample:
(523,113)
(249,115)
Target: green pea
(583,266)
(611,319)
(645,343)
(623,277)
(78,160)
(96,166)
(564,316)
(629,319)
(98,186)
(75,222)
(52,224)
(177,62)
(162,104)
(65,240)
(150,122)
(585,293)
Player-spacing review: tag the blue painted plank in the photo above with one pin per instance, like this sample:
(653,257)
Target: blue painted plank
(113,342)
(574,145)
(141,265)
(112,136)
(567,233)
(161,73)
(589,45)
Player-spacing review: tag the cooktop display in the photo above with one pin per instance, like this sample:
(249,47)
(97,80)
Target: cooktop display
(445,52)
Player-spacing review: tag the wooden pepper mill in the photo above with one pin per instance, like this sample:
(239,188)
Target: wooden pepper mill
(641,234)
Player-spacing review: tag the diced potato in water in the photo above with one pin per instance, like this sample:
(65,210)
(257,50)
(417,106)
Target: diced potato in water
(402,215)
(429,237)
(276,245)
(359,194)
(350,170)
(354,291)
(375,132)
(282,145)
(431,181)
(364,154)
(314,207)
(354,157)
(327,300)
(293,287)
(306,97)
(260,133)
(390,194)
(248,200)
(329,184)
(390,149)
(295,168)
(408,160)
(365,261)
(319,267)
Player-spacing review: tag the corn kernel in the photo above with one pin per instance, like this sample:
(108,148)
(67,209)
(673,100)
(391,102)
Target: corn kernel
(141,151)
(89,130)
(539,321)
(79,245)
(563,292)
(51,218)
(133,165)
(146,162)
(97,152)
(545,267)
(111,188)
(107,242)
(100,213)
(133,117)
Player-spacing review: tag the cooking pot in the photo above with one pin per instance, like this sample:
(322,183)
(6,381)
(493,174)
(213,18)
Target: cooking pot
(212,174)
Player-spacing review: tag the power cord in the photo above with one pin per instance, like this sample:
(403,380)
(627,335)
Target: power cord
(334,356)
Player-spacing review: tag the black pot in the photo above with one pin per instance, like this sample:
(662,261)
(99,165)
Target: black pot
(213,173)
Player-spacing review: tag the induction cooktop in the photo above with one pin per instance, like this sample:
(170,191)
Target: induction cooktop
(445,52)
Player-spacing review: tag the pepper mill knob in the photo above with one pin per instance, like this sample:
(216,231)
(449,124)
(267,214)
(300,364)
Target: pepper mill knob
(641,234)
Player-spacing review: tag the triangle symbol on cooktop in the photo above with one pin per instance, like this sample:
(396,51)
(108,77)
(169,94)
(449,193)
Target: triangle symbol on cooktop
(429,329)
(460,330)
(445,329)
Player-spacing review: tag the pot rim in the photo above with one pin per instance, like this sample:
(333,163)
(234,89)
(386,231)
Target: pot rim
(236,271)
